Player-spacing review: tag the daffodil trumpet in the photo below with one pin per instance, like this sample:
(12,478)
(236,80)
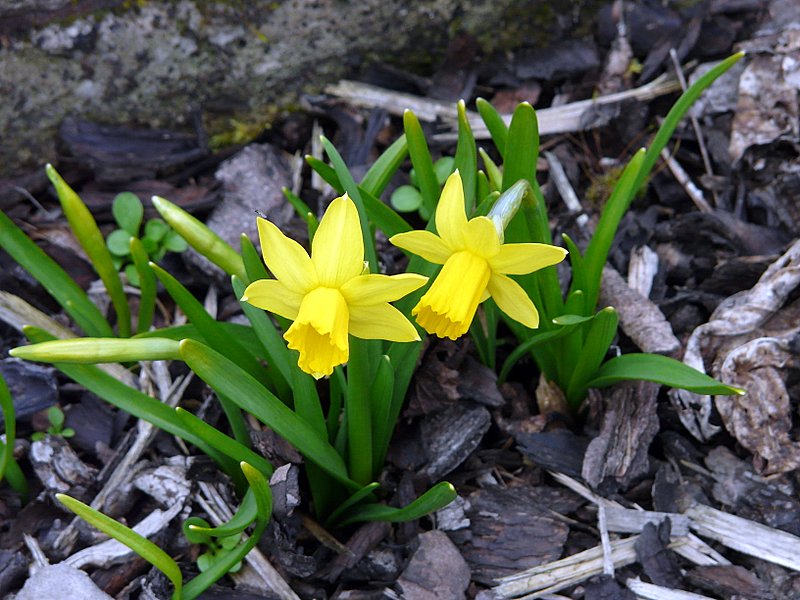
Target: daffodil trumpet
(476,264)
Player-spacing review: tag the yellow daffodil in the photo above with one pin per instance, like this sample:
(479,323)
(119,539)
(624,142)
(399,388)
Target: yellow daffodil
(476,265)
(328,295)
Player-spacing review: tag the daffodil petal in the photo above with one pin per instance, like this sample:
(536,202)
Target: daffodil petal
(451,215)
(367,290)
(338,248)
(287,259)
(274,296)
(482,238)
(426,244)
(518,259)
(381,322)
(513,300)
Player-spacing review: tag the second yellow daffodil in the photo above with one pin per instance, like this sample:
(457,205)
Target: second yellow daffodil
(327,294)
(476,265)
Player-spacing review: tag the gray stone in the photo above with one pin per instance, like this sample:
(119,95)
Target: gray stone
(56,582)
(152,63)
(436,571)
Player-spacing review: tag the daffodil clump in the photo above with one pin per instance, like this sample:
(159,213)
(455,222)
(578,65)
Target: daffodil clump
(329,295)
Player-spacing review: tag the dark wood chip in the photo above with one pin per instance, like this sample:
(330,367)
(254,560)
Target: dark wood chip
(436,570)
(659,563)
(729,581)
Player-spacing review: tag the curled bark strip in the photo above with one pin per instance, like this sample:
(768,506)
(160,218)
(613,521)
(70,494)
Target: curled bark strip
(761,420)
(737,315)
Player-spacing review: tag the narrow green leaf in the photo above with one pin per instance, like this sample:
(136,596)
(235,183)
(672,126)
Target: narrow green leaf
(354,499)
(381,405)
(278,357)
(327,172)
(466,159)
(301,208)
(147,286)
(253,264)
(493,172)
(200,237)
(598,338)
(223,443)
(659,369)
(53,278)
(227,561)
(576,261)
(130,400)
(529,344)
(677,112)
(522,147)
(91,240)
(9,469)
(383,169)
(495,124)
(208,327)
(421,159)
(128,212)
(434,499)
(614,210)
(127,536)
(354,193)
(359,412)
(482,188)
(241,520)
(227,378)
(382,216)
(99,350)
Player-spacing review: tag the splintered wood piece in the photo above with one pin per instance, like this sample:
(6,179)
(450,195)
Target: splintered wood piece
(746,536)
(620,452)
(560,574)
(559,119)
(628,520)
(640,318)
(649,591)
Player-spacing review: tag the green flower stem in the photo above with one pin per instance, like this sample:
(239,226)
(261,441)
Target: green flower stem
(99,350)
(359,418)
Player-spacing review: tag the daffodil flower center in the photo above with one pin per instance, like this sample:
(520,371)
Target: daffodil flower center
(319,332)
(448,307)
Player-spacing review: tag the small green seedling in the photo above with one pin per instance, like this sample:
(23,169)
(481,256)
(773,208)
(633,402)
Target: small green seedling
(56,417)
(216,548)
(408,198)
(158,237)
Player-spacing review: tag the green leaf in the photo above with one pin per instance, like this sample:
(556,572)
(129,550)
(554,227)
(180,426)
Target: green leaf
(241,520)
(352,501)
(529,344)
(493,172)
(156,229)
(200,237)
(130,400)
(406,198)
(597,251)
(302,209)
(599,337)
(146,283)
(53,278)
(174,242)
(381,401)
(659,369)
(495,124)
(9,469)
(421,159)
(223,443)
(227,560)
(466,159)
(132,275)
(443,167)
(127,536)
(384,168)
(358,408)
(383,217)
(227,378)
(118,242)
(91,240)
(56,417)
(327,172)
(128,212)
(434,499)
